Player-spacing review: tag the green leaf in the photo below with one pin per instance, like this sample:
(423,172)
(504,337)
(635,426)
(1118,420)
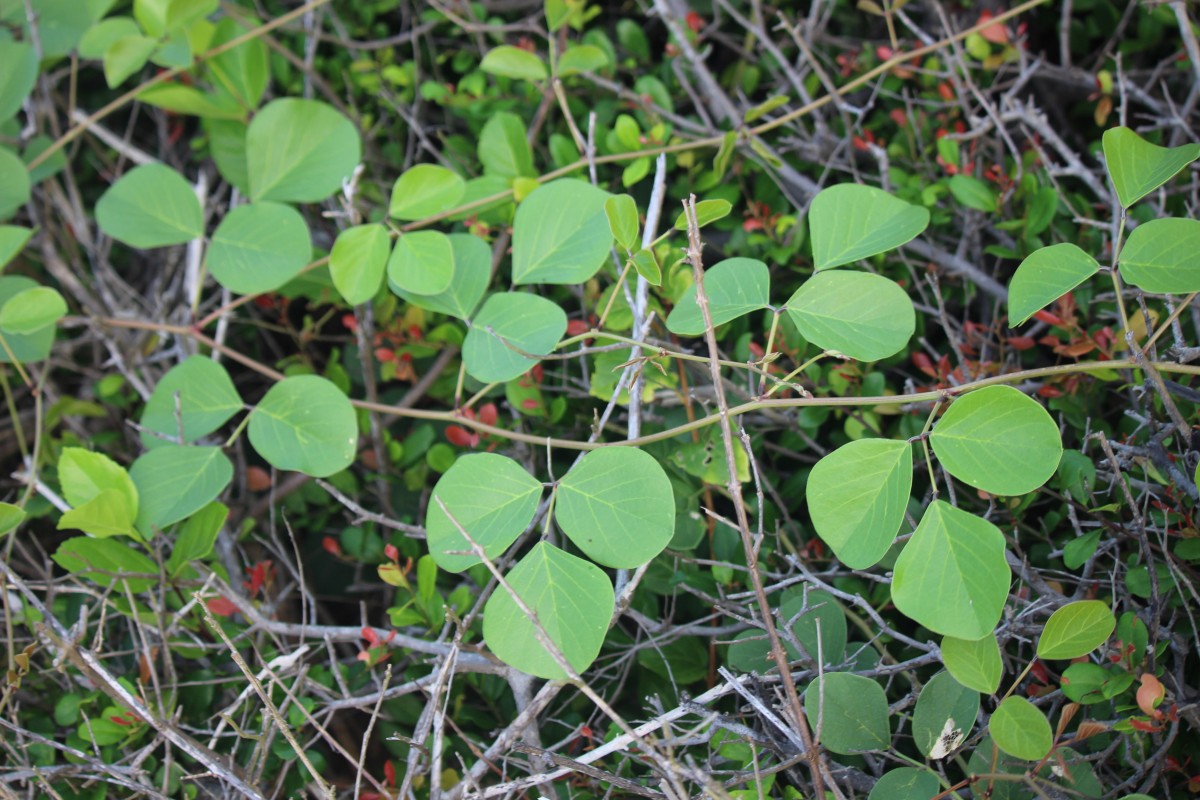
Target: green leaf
(864,316)
(107,514)
(1046,275)
(472,273)
(83,475)
(558,13)
(358,260)
(573,601)
(1075,630)
(998,440)
(850,711)
(492,497)
(422,263)
(1138,167)
(750,651)
(560,234)
(850,222)
(189,100)
(60,23)
(300,151)
(707,212)
(150,206)
(905,783)
(1020,730)
(227,143)
(259,247)
(508,320)
(31,310)
(857,496)
(10,517)
(973,193)
(1087,683)
(18,71)
(125,57)
(622,213)
(110,558)
(158,17)
(504,150)
(734,287)
(176,481)
(207,399)
(513,62)
(582,58)
(766,107)
(1160,256)
(974,663)
(944,716)
(647,267)
(305,424)
(12,241)
(24,348)
(425,190)
(197,537)
(616,505)
(242,71)
(952,576)
(14,183)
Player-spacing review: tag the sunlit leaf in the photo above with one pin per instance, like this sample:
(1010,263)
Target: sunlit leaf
(1046,275)
(1019,729)
(1138,167)
(974,663)
(560,234)
(1160,256)
(734,287)
(300,151)
(1076,629)
(150,206)
(259,247)
(864,316)
(509,333)
(306,424)
(850,222)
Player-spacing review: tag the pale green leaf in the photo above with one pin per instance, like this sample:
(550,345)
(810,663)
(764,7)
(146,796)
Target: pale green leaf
(513,62)
(300,151)
(10,517)
(126,56)
(849,222)
(23,347)
(206,401)
(83,475)
(1019,729)
(158,17)
(582,58)
(622,213)
(864,316)
(32,310)
(707,212)
(176,481)
(242,71)
(491,497)
(358,260)
(504,150)
(1138,167)
(734,287)
(849,711)
(422,263)
(425,190)
(259,247)
(14,183)
(944,715)
(974,663)
(150,206)
(531,324)
(1161,256)
(857,496)
(1075,630)
(106,561)
(12,241)
(472,273)
(1044,276)
(573,603)
(560,234)
(998,440)
(952,576)
(18,71)
(107,514)
(189,100)
(616,505)
(973,193)
(305,424)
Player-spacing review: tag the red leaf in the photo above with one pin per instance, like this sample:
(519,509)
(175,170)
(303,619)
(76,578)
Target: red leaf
(392,552)
(257,479)
(1021,342)
(576,327)
(1150,694)
(1050,319)
(461,437)
(389,772)
(488,414)
(221,607)
(996,34)
(695,21)
(331,546)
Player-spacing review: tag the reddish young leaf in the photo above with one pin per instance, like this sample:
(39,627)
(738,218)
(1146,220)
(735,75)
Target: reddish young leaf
(221,607)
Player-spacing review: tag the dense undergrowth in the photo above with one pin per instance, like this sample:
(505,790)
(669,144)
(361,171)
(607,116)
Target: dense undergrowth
(575,399)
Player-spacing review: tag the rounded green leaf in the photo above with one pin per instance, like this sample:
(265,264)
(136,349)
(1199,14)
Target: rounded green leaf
(973,193)
(622,213)
(998,440)
(422,263)
(513,62)
(492,497)
(259,247)
(425,190)
(616,506)
(857,496)
(952,576)
(906,783)
(944,716)
(18,71)
(864,316)
(1138,167)
(100,37)
(707,211)
(850,222)
(504,149)
(1075,630)
(242,71)
(472,273)
(32,310)
(305,424)
(974,663)
(150,206)
(10,517)
(23,347)
(126,56)
(176,481)
(358,260)
(1020,730)
(560,233)
(14,183)
(526,322)
(734,287)
(110,559)
(206,401)
(1046,275)
(849,712)
(300,151)
(83,475)
(582,58)
(13,239)
(1160,256)
(573,602)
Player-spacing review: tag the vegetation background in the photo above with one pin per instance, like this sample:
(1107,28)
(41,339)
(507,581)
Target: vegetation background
(213,208)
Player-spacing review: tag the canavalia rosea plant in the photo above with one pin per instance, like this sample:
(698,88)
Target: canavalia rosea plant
(564,542)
